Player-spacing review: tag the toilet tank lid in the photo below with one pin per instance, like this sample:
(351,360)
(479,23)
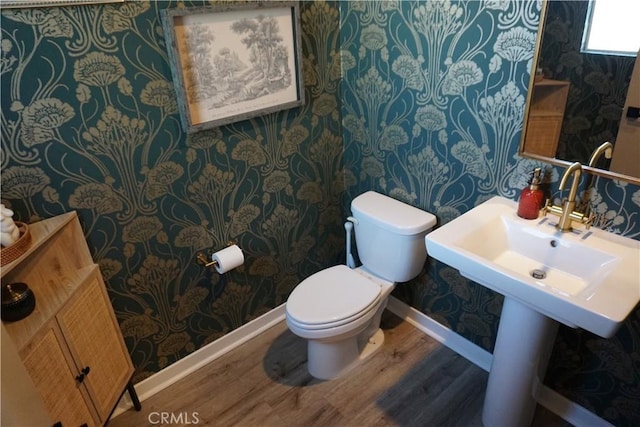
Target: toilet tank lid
(392,214)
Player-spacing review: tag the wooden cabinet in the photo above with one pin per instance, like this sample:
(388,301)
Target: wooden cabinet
(47,363)
(71,345)
(546,114)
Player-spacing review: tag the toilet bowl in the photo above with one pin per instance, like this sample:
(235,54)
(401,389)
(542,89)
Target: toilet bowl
(335,310)
(338,309)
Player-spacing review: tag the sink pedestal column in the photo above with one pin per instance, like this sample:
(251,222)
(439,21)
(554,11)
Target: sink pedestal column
(520,357)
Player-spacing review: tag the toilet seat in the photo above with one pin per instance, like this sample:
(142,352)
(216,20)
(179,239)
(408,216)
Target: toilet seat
(332,297)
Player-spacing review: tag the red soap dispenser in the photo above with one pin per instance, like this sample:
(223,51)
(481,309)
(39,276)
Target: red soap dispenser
(531,197)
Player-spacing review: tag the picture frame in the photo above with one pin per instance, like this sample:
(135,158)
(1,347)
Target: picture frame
(232,62)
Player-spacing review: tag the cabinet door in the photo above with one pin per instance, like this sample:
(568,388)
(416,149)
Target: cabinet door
(55,380)
(94,338)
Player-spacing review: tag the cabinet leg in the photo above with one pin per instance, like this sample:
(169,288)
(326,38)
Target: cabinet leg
(134,396)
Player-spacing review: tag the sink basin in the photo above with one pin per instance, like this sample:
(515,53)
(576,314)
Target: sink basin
(585,278)
(560,265)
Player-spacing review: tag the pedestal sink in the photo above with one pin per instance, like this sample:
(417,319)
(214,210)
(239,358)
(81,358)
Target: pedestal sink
(585,278)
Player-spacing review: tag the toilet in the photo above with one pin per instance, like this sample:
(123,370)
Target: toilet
(338,309)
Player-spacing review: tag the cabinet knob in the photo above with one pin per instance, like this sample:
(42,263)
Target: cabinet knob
(83,373)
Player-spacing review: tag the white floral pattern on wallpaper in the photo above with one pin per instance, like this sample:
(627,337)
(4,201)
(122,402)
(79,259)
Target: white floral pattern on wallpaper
(411,78)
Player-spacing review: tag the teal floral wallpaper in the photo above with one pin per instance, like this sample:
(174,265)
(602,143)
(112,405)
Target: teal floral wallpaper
(599,83)
(422,100)
(433,98)
(90,123)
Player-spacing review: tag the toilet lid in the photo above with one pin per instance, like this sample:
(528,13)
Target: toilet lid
(331,295)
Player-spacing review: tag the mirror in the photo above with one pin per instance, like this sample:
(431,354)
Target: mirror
(577,101)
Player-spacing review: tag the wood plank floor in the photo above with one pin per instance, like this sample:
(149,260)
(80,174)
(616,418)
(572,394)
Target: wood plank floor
(412,381)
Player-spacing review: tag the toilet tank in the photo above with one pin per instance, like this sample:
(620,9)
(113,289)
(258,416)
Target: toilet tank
(389,236)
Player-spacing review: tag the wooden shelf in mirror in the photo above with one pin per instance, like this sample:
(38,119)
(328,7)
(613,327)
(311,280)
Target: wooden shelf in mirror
(548,102)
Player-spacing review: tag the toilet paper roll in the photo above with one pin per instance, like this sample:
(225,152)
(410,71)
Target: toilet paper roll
(228,259)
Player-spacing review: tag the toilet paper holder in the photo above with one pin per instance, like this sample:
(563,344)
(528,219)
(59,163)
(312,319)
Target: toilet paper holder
(205,260)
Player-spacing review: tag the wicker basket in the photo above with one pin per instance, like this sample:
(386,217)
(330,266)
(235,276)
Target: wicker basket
(20,246)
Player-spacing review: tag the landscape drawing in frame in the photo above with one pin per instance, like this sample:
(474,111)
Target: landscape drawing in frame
(234,62)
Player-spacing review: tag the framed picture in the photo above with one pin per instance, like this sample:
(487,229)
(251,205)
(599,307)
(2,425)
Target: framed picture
(234,62)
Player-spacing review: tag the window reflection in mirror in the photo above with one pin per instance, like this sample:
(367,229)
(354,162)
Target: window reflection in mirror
(611,28)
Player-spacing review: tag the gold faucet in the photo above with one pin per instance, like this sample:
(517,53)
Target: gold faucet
(606,148)
(567,212)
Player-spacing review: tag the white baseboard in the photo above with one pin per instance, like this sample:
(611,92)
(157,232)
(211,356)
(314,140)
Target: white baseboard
(465,348)
(196,360)
(550,399)
(545,396)
(570,411)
